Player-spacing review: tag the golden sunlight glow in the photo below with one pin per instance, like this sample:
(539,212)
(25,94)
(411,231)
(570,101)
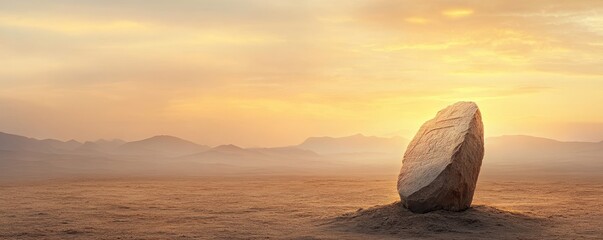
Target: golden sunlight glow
(221,73)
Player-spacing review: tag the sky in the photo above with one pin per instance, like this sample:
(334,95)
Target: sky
(272,72)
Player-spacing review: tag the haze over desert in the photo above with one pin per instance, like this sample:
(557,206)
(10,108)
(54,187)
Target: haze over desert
(272,119)
(325,188)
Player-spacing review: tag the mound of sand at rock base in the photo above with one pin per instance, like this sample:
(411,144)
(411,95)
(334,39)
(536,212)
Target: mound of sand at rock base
(476,222)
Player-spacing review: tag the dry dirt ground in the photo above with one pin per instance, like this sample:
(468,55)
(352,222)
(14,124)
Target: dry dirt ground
(273,207)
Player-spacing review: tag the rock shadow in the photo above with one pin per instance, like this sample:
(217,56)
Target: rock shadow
(477,222)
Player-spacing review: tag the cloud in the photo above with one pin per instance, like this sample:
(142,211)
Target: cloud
(528,34)
(71,26)
(246,13)
(224,69)
(457,13)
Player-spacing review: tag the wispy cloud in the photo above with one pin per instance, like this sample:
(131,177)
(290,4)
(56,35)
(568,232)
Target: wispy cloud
(222,69)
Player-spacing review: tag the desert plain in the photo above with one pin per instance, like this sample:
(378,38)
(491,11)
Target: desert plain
(293,207)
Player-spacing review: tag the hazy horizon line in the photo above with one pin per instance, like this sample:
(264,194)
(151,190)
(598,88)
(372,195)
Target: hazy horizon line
(285,145)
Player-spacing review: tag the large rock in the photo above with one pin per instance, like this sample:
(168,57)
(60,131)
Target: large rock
(442,162)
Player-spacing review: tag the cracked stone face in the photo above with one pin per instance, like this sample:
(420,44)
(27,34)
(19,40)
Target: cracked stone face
(442,162)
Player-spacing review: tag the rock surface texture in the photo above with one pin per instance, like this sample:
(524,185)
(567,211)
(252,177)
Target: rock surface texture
(442,162)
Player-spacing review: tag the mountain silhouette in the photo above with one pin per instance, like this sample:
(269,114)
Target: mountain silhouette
(518,155)
(12,142)
(161,145)
(506,156)
(521,147)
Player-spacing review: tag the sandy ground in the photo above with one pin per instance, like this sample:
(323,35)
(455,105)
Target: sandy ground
(291,208)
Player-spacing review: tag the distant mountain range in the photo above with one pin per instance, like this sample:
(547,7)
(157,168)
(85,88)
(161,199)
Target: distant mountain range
(28,158)
(521,147)
(170,146)
(526,155)
(162,145)
(13,142)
